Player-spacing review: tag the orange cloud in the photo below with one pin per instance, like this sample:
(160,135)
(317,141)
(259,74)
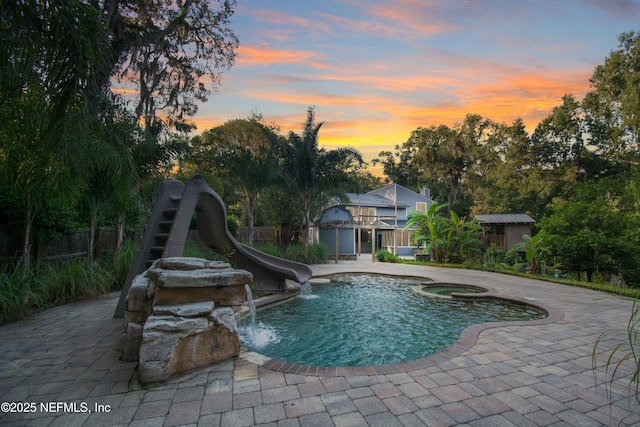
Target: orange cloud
(125,91)
(382,118)
(275,17)
(264,56)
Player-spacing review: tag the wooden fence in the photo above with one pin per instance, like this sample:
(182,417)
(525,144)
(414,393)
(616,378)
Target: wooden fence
(76,244)
(261,235)
(73,246)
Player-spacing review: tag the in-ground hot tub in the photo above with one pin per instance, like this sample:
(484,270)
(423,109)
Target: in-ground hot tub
(447,290)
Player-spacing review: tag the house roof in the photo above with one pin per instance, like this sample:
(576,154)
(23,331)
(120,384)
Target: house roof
(505,219)
(396,191)
(373,200)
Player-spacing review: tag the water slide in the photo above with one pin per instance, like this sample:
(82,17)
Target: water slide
(166,232)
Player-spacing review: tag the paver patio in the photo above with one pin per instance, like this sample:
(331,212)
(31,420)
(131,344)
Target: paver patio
(506,375)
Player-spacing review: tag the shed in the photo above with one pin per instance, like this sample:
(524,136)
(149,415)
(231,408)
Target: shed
(335,230)
(504,231)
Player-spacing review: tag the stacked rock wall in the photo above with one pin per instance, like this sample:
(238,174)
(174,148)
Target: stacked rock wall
(180,316)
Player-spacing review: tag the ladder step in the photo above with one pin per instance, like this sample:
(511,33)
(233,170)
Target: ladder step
(170,213)
(165,225)
(161,237)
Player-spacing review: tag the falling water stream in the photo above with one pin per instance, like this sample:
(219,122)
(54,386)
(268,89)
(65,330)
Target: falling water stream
(306,292)
(256,333)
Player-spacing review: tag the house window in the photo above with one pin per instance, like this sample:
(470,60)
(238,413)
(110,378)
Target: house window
(402,238)
(366,215)
(421,207)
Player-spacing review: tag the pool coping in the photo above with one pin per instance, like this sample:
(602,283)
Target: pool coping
(467,339)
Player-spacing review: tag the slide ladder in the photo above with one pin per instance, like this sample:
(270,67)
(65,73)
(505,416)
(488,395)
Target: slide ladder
(168,225)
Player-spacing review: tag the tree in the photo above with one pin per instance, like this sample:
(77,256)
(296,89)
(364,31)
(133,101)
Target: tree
(593,231)
(462,238)
(404,171)
(450,239)
(168,51)
(313,173)
(431,230)
(60,49)
(448,160)
(53,63)
(512,181)
(614,102)
(110,176)
(558,139)
(245,150)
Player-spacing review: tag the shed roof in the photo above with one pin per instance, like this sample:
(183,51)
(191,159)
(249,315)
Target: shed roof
(505,219)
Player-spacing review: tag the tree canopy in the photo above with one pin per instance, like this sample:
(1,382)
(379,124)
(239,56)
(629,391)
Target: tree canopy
(63,129)
(172,53)
(313,173)
(576,173)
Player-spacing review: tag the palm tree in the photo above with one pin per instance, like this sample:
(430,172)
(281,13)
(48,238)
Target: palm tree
(431,230)
(314,173)
(462,237)
(109,174)
(53,66)
(451,239)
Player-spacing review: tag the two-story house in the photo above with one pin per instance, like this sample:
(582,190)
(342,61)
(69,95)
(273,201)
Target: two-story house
(365,223)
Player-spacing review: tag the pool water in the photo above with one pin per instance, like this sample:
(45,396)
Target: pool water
(363,320)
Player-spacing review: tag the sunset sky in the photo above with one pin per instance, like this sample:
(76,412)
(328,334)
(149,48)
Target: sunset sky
(377,69)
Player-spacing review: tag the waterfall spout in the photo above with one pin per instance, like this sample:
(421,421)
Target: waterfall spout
(252,307)
(256,334)
(306,291)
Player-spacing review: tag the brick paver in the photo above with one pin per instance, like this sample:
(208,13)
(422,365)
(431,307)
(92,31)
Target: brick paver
(524,374)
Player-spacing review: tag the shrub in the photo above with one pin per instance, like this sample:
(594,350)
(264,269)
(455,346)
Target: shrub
(315,253)
(16,295)
(192,249)
(384,255)
(122,260)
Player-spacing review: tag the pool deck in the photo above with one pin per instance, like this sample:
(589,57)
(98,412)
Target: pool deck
(535,374)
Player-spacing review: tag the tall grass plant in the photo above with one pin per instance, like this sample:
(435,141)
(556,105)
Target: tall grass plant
(623,362)
(24,290)
(16,293)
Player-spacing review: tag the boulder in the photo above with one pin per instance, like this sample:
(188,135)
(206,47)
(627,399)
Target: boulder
(137,299)
(203,278)
(130,342)
(182,263)
(173,345)
(180,316)
(195,309)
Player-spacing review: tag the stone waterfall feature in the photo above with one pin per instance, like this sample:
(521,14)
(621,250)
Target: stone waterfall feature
(180,316)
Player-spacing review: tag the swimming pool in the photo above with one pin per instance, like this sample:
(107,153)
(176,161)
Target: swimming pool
(363,320)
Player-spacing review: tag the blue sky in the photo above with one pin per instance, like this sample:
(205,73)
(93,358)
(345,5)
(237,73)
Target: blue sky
(376,70)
